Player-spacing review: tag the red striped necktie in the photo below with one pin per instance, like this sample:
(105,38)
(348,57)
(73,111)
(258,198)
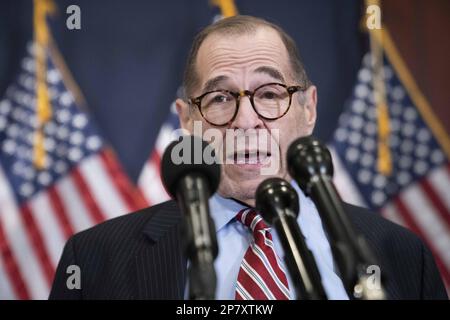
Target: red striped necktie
(261,276)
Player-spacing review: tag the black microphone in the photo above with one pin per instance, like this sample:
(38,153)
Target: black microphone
(310,164)
(191,175)
(277,202)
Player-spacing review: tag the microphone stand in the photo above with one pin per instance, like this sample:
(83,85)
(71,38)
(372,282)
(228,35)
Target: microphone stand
(353,255)
(199,234)
(278,203)
(192,182)
(299,260)
(310,164)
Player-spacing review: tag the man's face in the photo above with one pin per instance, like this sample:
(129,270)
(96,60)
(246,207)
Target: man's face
(244,63)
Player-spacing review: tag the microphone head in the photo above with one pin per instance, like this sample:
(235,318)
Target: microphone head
(275,196)
(308,157)
(189,154)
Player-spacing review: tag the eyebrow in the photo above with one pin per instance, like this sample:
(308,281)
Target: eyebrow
(270,71)
(213,84)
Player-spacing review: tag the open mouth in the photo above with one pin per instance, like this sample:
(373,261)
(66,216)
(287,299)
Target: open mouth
(251,157)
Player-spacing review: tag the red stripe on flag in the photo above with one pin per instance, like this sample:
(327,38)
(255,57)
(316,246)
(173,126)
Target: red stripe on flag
(86,194)
(37,242)
(440,207)
(12,268)
(155,159)
(132,195)
(404,212)
(60,212)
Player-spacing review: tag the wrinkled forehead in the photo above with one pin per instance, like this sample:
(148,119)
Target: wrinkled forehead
(249,54)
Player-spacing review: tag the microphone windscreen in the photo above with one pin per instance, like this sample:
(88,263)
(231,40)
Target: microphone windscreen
(189,155)
(275,195)
(308,157)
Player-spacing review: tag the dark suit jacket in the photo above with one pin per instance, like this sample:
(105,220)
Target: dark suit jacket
(140,256)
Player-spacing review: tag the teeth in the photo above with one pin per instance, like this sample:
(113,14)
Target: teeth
(253,161)
(251,157)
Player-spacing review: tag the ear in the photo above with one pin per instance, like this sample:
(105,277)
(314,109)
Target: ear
(184,114)
(310,107)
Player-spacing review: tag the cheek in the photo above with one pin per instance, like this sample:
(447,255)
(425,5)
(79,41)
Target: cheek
(215,136)
(289,128)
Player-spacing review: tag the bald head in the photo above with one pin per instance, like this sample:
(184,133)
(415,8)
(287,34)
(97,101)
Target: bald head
(234,27)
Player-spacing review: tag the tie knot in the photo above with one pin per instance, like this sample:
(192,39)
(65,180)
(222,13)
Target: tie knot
(252,220)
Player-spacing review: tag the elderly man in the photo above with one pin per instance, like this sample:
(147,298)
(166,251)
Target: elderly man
(243,74)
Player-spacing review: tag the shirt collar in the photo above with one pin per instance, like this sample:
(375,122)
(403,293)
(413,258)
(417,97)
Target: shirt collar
(223,210)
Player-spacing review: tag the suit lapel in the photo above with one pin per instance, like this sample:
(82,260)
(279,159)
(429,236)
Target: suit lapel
(160,262)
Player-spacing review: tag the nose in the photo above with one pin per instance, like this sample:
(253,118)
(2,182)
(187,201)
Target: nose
(246,117)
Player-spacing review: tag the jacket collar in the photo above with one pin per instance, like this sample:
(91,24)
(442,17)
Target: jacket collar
(166,216)
(161,265)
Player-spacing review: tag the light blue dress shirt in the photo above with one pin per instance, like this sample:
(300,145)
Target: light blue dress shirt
(234,239)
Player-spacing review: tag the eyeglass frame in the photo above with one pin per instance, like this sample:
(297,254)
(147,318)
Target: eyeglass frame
(250,94)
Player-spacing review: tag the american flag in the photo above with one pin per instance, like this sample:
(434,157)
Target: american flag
(81,185)
(149,181)
(415,193)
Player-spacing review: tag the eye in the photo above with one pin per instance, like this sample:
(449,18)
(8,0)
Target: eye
(268,94)
(219,98)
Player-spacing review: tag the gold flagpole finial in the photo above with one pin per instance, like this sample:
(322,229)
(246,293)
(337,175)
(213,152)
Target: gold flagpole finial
(43,106)
(227,7)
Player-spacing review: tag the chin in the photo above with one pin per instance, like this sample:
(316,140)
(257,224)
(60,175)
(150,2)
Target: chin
(241,183)
(240,190)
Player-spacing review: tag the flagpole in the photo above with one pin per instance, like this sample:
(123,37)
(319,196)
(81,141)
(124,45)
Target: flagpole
(43,104)
(384,159)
